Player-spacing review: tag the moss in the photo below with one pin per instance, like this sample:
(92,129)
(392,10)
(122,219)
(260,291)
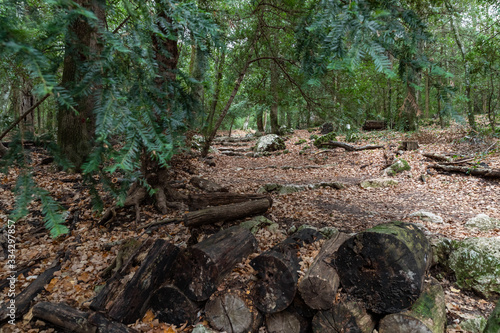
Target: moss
(301,141)
(325,138)
(398,166)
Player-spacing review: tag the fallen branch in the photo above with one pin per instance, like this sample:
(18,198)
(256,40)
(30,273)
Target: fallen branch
(473,171)
(348,147)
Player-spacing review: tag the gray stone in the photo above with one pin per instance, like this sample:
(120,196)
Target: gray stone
(269,143)
(427,216)
(329,232)
(259,222)
(483,222)
(202,329)
(378,182)
(473,325)
(398,166)
(476,263)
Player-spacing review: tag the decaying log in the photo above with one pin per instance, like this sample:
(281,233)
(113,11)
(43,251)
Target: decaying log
(207,185)
(318,287)
(227,212)
(427,314)
(23,300)
(286,321)
(277,272)
(384,266)
(154,271)
(73,320)
(438,157)
(473,171)
(233,311)
(348,147)
(344,317)
(170,305)
(374,125)
(200,268)
(200,201)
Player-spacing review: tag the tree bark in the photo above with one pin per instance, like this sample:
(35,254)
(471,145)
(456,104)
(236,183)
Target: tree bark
(384,266)
(318,287)
(344,317)
(275,102)
(200,268)
(277,272)
(170,305)
(201,201)
(427,314)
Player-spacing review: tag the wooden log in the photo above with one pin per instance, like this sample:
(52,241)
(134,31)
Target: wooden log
(277,272)
(472,170)
(170,305)
(201,267)
(227,212)
(318,287)
(348,147)
(286,321)
(427,314)
(207,185)
(104,325)
(384,266)
(233,311)
(200,201)
(23,300)
(344,317)
(374,125)
(154,271)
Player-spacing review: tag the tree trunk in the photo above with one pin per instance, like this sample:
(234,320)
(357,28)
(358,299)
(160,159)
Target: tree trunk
(199,269)
(170,305)
(260,120)
(275,99)
(318,287)
(233,311)
(427,314)
(75,130)
(384,266)
(154,271)
(220,61)
(344,317)
(277,272)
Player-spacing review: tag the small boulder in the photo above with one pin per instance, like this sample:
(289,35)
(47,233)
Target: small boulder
(427,216)
(270,142)
(326,128)
(378,182)
(398,166)
(483,222)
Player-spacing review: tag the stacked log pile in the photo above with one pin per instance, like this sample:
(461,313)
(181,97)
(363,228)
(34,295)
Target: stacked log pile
(382,273)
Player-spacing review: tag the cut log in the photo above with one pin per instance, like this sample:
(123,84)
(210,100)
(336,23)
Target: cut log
(227,212)
(348,147)
(374,125)
(426,315)
(130,304)
(384,266)
(344,317)
(286,321)
(170,305)
(201,267)
(233,311)
(277,272)
(207,185)
(318,287)
(409,145)
(73,320)
(23,300)
(472,170)
(200,201)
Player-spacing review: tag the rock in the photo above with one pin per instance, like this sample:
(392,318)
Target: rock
(329,232)
(398,166)
(427,216)
(318,142)
(474,325)
(483,222)
(441,249)
(326,128)
(270,142)
(259,222)
(202,329)
(476,263)
(378,182)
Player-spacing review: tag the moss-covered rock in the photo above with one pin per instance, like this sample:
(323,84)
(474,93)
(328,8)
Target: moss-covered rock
(378,182)
(259,222)
(325,138)
(474,325)
(301,141)
(268,143)
(493,323)
(476,263)
(398,166)
(483,222)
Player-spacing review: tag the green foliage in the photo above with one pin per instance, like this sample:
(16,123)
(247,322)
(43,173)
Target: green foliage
(325,138)
(301,141)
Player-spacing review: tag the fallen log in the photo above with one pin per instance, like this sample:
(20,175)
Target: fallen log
(374,125)
(427,314)
(233,311)
(384,266)
(472,170)
(207,185)
(201,267)
(73,320)
(171,305)
(348,147)
(23,300)
(438,157)
(277,272)
(318,287)
(200,201)
(345,317)
(154,271)
(286,321)
(227,212)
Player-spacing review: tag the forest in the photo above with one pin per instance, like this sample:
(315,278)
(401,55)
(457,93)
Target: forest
(233,166)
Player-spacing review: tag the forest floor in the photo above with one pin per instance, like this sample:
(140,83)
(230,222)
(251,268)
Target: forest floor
(454,197)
